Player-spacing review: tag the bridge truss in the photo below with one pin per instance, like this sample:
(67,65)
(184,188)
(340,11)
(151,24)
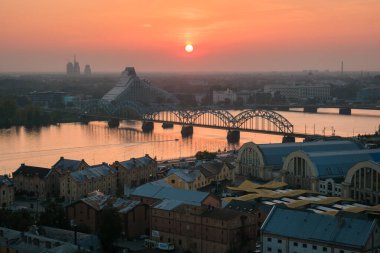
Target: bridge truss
(247,120)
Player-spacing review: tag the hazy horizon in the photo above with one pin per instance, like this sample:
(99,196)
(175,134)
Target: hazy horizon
(240,36)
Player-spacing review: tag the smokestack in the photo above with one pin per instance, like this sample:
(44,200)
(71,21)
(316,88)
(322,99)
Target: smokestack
(341,68)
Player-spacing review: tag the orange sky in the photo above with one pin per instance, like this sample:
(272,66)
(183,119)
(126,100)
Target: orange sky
(245,35)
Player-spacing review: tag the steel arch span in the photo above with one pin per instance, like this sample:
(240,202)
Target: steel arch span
(262,120)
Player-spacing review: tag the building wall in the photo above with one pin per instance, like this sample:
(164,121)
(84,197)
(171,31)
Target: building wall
(330,188)
(136,176)
(136,222)
(31,185)
(73,190)
(82,213)
(222,96)
(362,183)
(187,229)
(7,196)
(250,161)
(279,244)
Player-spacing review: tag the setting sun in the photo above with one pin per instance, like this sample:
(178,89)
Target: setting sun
(189,48)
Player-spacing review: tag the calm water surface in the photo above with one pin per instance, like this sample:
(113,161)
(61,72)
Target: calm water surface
(97,143)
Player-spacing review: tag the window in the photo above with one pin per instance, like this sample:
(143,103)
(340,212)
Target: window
(314,247)
(173,181)
(341,251)
(279,241)
(324,249)
(179,242)
(269,249)
(269,239)
(279,251)
(304,245)
(295,244)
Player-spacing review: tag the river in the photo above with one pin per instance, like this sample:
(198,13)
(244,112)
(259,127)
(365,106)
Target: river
(96,142)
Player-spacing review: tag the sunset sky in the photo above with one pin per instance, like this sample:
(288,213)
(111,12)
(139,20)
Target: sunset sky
(240,35)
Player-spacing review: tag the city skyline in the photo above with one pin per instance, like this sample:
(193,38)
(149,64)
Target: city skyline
(151,35)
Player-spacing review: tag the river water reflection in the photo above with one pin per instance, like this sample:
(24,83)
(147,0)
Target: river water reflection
(96,142)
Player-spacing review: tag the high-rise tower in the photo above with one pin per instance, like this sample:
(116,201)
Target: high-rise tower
(76,67)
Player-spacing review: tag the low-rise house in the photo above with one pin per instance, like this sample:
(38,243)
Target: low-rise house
(201,228)
(7,194)
(78,184)
(201,175)
(136,171)
(31,180)
(292,230)
(47,239)
(87,211)
(61,168)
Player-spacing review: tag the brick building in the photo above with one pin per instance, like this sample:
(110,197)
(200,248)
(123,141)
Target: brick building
(87,211)
(31,180)
(136,171)
(78,184)
(202,229)
(61,168)
(7,194)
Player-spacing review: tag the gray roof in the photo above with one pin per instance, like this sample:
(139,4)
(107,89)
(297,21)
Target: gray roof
(168,204)
(137,162)
(337,164)
(338,230)
(185,174)
(67,164)
(161,192)
(5,180)
(98,201)
(275,153)
(92,172)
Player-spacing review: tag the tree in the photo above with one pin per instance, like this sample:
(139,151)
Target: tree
(54,216)
(110,227)
(205,155)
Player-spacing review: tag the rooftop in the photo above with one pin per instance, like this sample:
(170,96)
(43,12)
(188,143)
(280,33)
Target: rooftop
(92,172)
(5,180)
(98,201)
(274,153)
(137,162)
(155,191)
(338,230)
(29,171)
(64,164)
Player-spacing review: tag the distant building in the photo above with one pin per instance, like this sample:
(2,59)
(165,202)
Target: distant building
(47,98)
(87,70)
(291,230)
(87,211)
(321,92)
(73,68)
(7,194)
(135,171)
(31,180)
(227,96)
(78,184)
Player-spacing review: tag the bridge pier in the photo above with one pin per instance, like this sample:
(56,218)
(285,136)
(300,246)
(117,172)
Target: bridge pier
(288,138)
(345,111)
(147,126)
(312,109)
(114,122)
(187,131)
(233,136)
(167,125)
